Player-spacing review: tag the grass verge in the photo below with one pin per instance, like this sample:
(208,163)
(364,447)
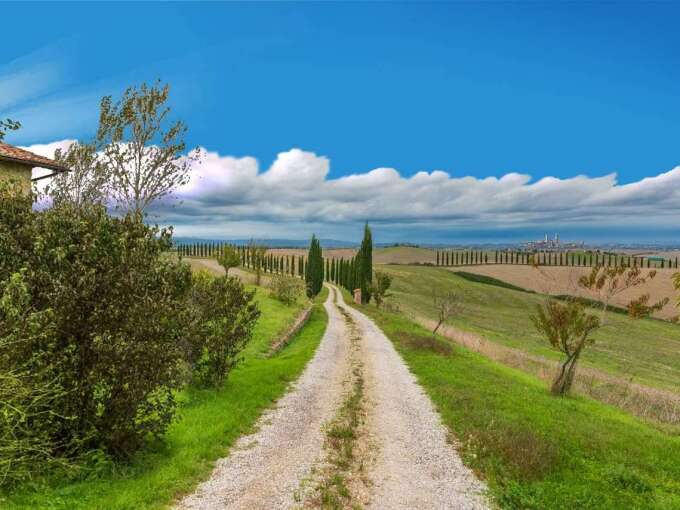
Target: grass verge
(209,422)
(534,450)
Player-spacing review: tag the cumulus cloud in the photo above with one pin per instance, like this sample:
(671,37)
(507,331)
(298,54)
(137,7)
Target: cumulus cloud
(296,189)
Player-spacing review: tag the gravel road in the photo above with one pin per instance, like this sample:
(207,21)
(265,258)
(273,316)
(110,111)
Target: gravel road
(409,462)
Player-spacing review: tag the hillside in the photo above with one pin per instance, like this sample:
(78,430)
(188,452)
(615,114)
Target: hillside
(648,351)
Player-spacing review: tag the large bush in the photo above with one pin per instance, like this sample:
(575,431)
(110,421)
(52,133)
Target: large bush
(97,306)
(220,315)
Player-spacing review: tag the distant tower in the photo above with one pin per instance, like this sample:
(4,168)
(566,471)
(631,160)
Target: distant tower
(546,239)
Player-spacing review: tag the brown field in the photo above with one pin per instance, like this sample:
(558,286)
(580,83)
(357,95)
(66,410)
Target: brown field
(391,255)
(335,253)
(564,280)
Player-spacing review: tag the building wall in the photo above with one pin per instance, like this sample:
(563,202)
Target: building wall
(11,170)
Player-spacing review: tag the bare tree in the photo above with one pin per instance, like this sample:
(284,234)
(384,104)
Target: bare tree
(142,148)
(87,182)
(448,305)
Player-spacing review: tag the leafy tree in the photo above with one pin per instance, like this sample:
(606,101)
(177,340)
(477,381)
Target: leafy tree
(86,183)
(379,287)
(228,258)
(141,148)
(567,326)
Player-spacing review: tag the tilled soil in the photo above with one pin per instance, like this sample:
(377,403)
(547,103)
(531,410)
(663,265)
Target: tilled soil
(405,458)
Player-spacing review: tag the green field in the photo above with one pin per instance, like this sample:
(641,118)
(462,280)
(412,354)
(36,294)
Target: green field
(647,350)
(536,451)
(209,423)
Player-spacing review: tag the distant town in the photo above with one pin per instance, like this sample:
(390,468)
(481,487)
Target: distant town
(553,244)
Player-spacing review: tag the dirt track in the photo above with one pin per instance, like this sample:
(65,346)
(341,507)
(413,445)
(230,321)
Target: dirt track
(409,463)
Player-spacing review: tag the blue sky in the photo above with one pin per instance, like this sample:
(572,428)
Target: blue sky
(472,89)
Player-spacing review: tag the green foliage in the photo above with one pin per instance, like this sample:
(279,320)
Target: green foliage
(86,182)
(97,325)
(210,421)
(286,289)
(8,125)
(26,396)
(116,365)
(142,151)
(567,327)
(228,257)
(221,316)
(314,274)
(380,286)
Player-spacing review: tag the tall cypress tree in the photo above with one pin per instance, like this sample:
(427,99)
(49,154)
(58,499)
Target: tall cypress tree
(364,265)
(315,268)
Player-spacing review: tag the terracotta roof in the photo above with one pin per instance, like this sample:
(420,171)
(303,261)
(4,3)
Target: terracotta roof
(17,155)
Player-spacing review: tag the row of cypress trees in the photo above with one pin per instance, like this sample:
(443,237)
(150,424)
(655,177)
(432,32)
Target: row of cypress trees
(357,272)
(463,258)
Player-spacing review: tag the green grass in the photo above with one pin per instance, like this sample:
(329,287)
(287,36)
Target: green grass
(209,423)
(534,450)
(647,350)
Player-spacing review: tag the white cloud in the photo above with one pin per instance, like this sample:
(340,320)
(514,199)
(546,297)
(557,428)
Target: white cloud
(225,192)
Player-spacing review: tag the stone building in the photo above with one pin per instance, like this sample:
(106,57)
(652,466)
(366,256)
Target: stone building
(16,163)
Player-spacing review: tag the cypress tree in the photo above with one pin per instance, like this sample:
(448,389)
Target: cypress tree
(315,265)
(365,265)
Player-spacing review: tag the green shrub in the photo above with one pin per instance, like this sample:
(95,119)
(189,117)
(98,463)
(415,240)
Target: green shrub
(101,325)
(286,289)
(221,316)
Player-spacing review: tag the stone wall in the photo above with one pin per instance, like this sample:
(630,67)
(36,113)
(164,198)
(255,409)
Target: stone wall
(11,170)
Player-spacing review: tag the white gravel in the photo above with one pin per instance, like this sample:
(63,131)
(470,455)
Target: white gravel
(416,468)
(265,469)
(412,466)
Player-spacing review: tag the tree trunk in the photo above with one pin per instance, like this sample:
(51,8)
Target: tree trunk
(434,331)
(565,377)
